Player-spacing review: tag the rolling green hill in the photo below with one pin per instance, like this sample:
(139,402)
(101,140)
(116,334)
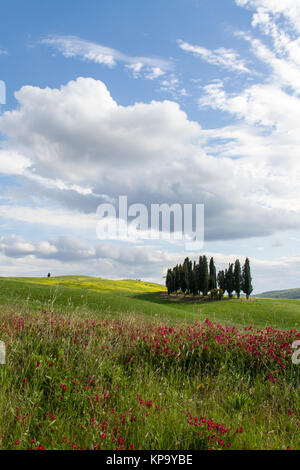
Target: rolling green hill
(281,294)
(92,363)
(98,297)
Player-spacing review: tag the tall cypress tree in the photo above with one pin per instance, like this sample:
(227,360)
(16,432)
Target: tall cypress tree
(197,278)
(200,278)
(182,283)
(246,279)
(203,275)
(237,278)
(187,267)
(169,281)
(193,279)
(212,275)
(190,274)
(176,278)
(229,280)
(221,280)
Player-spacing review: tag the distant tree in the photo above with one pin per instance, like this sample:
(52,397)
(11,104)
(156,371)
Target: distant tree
(212,284)
(221,280)
(203,275)
(182,283)
(49,274)
(246,283)
(197,277)
(229,280)
(237,278)
(169,281)
(187,267)
(193,278)
(194,288)
(176,278)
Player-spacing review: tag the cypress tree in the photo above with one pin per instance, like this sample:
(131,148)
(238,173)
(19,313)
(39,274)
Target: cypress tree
(212,275)
(182,283)
(246,279)
(221,280)
(194,289)
(187,266)
(169,281)
(203,275)
(237,278)
(229,280)
(176,278)
(197,278)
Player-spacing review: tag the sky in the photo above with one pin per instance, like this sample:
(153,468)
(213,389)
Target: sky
(182,101)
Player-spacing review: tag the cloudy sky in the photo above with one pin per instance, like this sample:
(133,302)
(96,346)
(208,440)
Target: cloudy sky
(182,101)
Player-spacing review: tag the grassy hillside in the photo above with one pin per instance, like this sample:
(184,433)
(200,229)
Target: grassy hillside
(118,365)
(101,296)
(281,294)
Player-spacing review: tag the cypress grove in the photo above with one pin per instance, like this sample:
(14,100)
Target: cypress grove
(192,278)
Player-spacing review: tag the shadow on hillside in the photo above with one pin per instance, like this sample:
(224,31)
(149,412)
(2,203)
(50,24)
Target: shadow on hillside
(163,299)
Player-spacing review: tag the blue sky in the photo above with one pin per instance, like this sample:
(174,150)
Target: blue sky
(188,101)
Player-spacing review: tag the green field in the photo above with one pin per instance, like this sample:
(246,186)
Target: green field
(102,296)
(99,364)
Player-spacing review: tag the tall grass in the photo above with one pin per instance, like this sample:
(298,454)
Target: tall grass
(76,382)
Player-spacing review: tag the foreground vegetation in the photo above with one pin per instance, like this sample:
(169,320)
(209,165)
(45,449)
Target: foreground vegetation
(83,377)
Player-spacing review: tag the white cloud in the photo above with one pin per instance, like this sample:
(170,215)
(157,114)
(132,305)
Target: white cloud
(13,163)
(16,247)
(77,146)
(265,130)
(65,252)
(43,216)
(73,46)
(155,73)
(290,9)
(79,140)
(284,55)
(225,58)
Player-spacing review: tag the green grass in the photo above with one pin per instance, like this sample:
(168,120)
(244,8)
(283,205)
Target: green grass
(90,368)
(78,293)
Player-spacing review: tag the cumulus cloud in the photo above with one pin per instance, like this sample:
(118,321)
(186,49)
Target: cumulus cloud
(73,46)
(15,246)
(69,249)
(81,141)
(222,57)
(265,131)
(13,163)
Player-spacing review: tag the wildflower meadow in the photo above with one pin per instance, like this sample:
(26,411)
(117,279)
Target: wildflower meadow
(74,382)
